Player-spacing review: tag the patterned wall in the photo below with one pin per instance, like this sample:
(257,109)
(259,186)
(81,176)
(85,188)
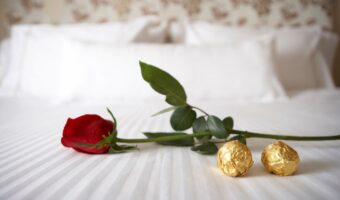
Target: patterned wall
(229,12)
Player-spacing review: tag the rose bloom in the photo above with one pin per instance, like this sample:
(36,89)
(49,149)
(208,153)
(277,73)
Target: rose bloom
(86,129)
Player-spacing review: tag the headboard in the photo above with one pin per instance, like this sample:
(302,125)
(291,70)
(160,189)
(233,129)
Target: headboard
(275,13)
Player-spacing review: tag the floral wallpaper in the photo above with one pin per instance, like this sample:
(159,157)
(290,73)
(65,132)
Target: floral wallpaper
(229,12)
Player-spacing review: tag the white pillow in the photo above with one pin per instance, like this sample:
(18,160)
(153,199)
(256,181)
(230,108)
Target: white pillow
(328,47)
(15,53)
(41,65)
(234,72)
(295,53)
(4,60)
(148,29)
(34,53)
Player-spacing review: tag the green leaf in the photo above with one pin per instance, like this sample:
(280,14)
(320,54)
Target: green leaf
(208,148)
(228,123)
(200,125)
(113,117)
(240,138)
(163,83)
(215,126)
(165,110)
(115,148)
(182,118)
(179,142)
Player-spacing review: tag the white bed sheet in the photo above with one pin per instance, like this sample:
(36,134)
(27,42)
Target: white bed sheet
(34,164)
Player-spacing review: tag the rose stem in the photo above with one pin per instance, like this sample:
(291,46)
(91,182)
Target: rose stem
(162,138)
(278,137)
(285,137)
(244,133)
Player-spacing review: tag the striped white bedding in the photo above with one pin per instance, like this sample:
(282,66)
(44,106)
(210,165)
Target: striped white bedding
(34,165)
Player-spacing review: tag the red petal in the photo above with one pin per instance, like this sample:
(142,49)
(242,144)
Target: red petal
(88,129)
(92,150)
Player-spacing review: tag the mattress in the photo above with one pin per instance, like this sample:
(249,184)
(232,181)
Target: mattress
(34,164)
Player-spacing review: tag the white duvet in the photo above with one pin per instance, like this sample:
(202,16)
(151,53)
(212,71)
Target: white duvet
(34,164)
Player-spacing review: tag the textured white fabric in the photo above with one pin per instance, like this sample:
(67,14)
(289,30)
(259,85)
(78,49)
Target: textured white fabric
(295,51)
(36,49)
(34,164)
(235,72)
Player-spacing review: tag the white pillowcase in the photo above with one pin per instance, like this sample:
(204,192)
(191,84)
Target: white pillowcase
(4,51)
(295,51)
(40,70)
(328,46)
(148,29)
(234,72)
(35,50)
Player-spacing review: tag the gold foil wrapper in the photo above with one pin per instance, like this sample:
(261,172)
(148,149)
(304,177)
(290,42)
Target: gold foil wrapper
(280,159)
(234,158)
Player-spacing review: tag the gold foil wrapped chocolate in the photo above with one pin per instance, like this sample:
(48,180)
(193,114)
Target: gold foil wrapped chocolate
(234,158)
(280,159)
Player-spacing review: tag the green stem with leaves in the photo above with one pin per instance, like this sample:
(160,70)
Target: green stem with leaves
(204,127)
(245,134)
(234,131)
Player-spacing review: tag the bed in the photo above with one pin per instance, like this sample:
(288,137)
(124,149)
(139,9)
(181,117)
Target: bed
(269,79)
(34,165)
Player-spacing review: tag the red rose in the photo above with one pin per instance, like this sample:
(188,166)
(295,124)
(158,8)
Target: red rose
(88,129)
